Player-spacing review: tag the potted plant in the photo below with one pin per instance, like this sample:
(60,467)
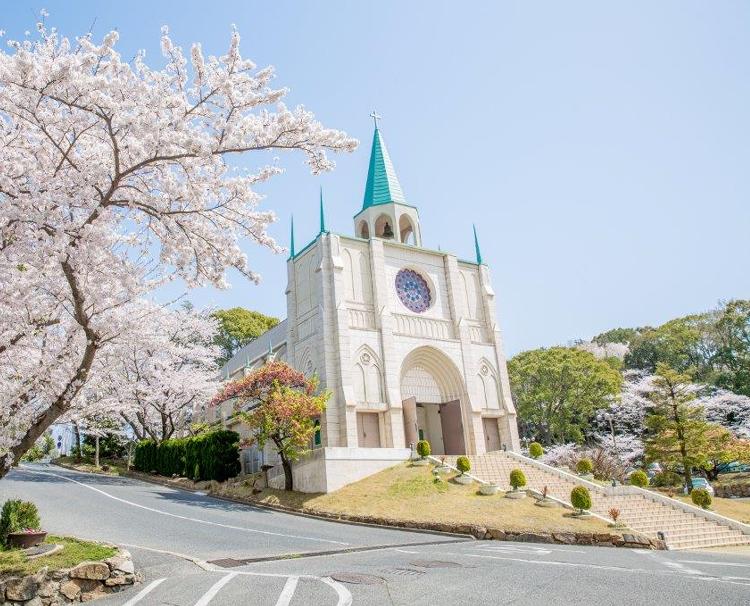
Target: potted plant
(580,498)
(517,481)
(638,478)
(701,497)
(545,501)
(464,466)
(20,524)
(585,467)
(488,489)
(614,515)
(535,450)
(424,451)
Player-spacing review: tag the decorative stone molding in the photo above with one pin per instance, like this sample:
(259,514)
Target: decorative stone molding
(417,326)
(82,583)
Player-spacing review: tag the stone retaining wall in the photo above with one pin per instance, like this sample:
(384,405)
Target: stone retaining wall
(729,491)
(83,583)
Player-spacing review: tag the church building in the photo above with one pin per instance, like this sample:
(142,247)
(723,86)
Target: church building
(404,337)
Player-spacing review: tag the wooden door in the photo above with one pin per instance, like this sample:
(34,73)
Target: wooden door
(368,430)
(491,435)
(453,428)
(410,421)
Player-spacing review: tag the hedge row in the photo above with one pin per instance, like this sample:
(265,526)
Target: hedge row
(210,456)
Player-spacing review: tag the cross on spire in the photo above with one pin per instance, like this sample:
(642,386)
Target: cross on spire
(375,117)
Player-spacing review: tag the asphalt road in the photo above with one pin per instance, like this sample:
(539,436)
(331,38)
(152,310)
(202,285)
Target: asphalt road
(173,535)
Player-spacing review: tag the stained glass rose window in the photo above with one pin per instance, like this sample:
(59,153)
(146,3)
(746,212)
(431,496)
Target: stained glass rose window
(413,290)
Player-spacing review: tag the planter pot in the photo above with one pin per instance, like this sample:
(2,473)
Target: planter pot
(24,540)
(515,494)
(617,525)
(546,503)
(442,469)
(488,489)
(581,515)
(420,462)
(462,479)
(587,476)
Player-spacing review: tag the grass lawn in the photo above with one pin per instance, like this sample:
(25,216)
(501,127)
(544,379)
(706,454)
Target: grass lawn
(116,468)
(14,563)
(737,509)
(409,494)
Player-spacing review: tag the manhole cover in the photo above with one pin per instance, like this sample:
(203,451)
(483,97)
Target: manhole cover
(404,572)
(356,578)
(435,564)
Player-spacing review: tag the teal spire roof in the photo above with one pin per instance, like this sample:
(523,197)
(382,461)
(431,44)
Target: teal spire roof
(476,246)
(323,229)
(382,183)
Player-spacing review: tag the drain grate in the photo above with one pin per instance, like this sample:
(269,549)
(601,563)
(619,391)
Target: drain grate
(355,578)
(404,572)
(436,564)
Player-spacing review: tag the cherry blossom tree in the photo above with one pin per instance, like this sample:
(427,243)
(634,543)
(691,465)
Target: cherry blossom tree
(116,177)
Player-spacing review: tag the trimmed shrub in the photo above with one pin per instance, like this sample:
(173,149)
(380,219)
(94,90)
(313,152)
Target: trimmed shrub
(701,497)
(209,456)
(18,515)
(517,479)
(535,450)
(423,448)
(580,498)
(584,466)
(666,479)
(638,478)
(463,464)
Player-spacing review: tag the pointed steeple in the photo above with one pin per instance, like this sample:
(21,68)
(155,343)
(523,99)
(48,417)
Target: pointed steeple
(291,240)
(382,183)
(323,229)
(476,246)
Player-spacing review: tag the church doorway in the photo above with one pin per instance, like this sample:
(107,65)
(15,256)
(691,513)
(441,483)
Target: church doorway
(491,434)
(432,391)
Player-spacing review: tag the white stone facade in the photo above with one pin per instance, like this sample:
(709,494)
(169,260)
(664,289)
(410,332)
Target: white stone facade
(421,361)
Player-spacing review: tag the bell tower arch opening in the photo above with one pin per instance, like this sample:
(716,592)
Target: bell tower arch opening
(434,398)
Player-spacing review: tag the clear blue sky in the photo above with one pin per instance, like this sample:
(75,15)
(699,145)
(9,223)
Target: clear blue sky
(601,148)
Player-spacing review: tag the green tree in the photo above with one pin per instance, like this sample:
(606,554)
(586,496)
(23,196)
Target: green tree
(732,335)
(557,390)
(618,335)
(237,327)
(677,430)
(684,344)
(279,405)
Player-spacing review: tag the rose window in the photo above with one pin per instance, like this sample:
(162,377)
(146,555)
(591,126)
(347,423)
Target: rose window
(413,290)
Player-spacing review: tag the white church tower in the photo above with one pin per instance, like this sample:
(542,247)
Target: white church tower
(405,338)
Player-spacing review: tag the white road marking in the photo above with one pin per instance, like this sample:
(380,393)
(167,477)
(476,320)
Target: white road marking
(187,518)
(405,551)
(680,567)
(214,589)
(144,592)
(530,549)
(345,598)
(715,563)
(286,594)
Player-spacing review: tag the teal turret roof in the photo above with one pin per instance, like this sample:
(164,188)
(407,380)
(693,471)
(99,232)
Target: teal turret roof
(382,183)
(476,246)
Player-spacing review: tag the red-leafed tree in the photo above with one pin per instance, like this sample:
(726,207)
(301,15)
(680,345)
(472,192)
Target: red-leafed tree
(283,404)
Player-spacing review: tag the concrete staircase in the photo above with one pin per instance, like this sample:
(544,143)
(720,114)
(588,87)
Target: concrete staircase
(646,513)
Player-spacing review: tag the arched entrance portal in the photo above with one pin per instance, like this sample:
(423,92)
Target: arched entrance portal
(432,392)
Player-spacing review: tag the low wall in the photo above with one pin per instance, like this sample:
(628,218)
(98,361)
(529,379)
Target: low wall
(328,469)
(82,583)
(730,491)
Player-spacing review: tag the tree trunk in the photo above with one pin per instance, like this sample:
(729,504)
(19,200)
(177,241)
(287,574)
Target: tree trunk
(79,445)
(96,451)
(288,477)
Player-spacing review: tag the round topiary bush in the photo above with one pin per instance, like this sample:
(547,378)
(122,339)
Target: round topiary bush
(701,497)
(580,498)
(535,450)
(423,448)
(463,464)
(584,467)
(517,479)
(639,478)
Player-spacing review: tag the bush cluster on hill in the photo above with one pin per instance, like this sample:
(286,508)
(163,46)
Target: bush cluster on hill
(210,456)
